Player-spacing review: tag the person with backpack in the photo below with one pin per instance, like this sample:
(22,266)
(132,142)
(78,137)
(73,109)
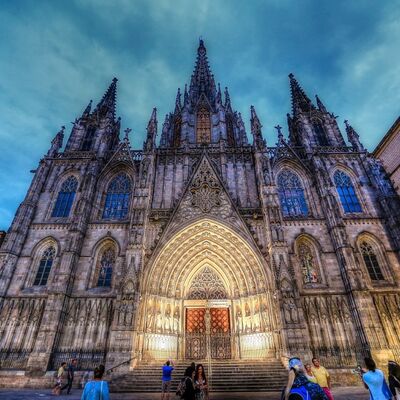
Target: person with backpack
(186,389)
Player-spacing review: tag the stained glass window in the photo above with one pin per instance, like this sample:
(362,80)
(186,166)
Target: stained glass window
(347,193)
(45,264)
(320,134)
(203,126)
(106,266)
(291,195)
(307,262)
(88,139)
(117,198)
(371,261)
(65,198)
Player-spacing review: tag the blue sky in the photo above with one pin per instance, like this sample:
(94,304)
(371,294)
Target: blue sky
(57,55)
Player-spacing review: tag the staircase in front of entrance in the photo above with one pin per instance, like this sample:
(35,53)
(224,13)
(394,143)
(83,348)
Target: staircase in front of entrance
(227,376)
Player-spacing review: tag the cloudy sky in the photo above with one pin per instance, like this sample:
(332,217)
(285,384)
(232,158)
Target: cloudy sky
(57,55)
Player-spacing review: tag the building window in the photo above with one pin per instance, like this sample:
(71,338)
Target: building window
(117,198)
(45,266)
(105,268)
(65,198)
(291,195)
(88,139)
(203,126)
(177,131)
(320,134)
(347,193)
(308,264)
(371,261)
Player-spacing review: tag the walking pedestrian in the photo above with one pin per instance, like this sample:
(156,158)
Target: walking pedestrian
(200,383)
(374,380)
(394,379)
(70,375)
(59,375)
(167,369)
(97,389)
(322,376)
(298,386)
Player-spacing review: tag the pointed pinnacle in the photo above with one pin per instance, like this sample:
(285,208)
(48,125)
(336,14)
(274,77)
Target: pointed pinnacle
(300,101)
(320,105)
(88,108)
(108,101)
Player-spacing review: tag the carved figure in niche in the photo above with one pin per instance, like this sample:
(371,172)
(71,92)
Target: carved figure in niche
(239,319)
(176,319)
(167,318)
(150,315)
(159,324)
(290,310)
(248,317)
(256,316)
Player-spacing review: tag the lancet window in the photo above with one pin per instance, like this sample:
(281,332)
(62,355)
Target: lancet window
(105,267)
(117,198)
(291,195)
(347,193)
(45,264)
(203,125)
(371,261)
(320,134)
(88,139)
(65,198)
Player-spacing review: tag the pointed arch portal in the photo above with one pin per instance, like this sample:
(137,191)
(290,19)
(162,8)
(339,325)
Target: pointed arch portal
(207,293)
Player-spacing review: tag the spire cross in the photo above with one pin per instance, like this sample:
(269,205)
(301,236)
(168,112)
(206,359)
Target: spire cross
(279,129)
(127,131)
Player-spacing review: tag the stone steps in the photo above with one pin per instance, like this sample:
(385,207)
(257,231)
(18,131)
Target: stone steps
(227,376)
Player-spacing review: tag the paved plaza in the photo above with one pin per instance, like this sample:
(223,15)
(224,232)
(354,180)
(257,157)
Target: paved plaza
(345,393)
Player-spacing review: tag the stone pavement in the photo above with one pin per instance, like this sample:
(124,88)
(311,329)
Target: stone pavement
(349,393)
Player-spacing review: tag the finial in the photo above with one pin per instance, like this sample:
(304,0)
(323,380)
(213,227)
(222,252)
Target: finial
(127,131)
(280,134)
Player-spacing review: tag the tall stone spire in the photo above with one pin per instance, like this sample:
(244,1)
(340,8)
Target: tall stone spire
(353,137)
(178,105)
(258,140)
(320,104)
(300,101)
(150,142)
(202,80)
(87,109)
(106,106)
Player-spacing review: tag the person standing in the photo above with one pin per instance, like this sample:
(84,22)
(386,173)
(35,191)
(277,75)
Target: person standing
(97,389)
(394,379)
(322,377)
(189,393)
(200,383)
(374,380)
(166,379)
(309,374)
(59,376)
(70,375)
(299,386)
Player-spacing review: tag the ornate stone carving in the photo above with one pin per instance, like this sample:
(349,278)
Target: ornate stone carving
(207,285)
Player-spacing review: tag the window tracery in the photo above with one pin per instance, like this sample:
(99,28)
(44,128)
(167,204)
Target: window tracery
(347,193)
(117,198)
(45,264)
(371,261)
(65,198)
(207,285)
(105,267)
(203,125)
(291,195)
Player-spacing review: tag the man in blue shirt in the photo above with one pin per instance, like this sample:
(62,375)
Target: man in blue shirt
(167,369)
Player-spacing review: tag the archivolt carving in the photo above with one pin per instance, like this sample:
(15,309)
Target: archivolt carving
(206,242)
(207,285)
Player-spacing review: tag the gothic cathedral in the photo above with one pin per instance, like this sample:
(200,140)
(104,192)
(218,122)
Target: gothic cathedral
(202,245)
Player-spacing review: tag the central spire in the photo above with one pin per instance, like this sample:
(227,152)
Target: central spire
(202,81)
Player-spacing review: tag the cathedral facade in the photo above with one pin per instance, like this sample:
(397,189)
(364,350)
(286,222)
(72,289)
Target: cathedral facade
(202,246)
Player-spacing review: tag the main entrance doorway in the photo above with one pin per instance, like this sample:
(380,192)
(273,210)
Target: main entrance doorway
(208,333)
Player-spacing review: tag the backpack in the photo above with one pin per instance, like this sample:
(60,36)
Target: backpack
(181,389)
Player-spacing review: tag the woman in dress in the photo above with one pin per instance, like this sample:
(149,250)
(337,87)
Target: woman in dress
(309,374)
(200,382)
(394,379)
(374,380)
(97,389)
(298,385)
